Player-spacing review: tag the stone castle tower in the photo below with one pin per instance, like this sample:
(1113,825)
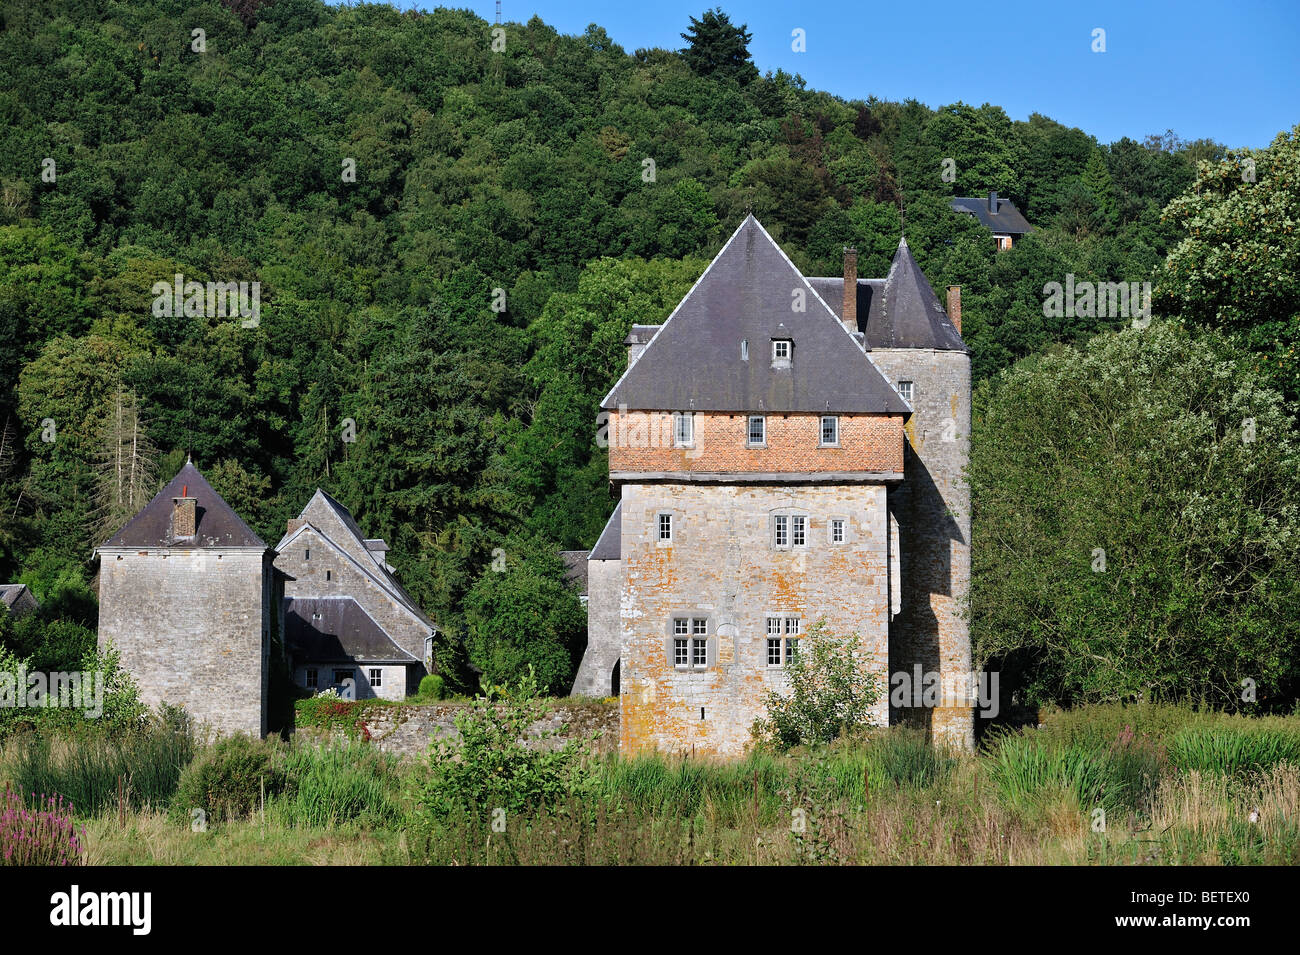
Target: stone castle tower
(185,595)
(785,451)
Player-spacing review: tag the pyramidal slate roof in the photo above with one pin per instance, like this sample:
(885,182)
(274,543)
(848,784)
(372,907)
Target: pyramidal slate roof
(216,523)
(898,311)
(694,363)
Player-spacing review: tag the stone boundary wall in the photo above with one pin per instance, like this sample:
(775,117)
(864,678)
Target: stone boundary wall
(408,729)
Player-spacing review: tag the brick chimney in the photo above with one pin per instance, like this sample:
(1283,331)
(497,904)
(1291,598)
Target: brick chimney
(993,202)
(849,310)
(183,514)
(954,306)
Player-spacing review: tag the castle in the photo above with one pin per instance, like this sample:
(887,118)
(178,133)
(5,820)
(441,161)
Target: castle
(785,450)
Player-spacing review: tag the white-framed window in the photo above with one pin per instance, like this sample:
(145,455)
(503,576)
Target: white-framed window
(783,634)
(830,430)
(665,528)
(756,436)
(789,530)
(683,429)
(905,391)
(838,532)
(744,349)
(311,678)
(781,349)
(691,642)
(376,677)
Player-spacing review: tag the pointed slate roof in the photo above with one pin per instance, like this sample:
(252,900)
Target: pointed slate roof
(898,311)
(693,363)
(610,544)
(216,523)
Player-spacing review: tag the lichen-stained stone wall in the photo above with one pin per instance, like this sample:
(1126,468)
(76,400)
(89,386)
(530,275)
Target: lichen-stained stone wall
(933,510)
(193,628)
(721,565)
(643,442)
(604,584)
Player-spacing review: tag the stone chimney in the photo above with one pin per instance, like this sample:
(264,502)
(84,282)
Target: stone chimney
(993,202)
(849,310)
(184,514)
(637,340)
(954,306)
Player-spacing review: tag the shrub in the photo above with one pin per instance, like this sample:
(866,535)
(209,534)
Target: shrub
(38,836)
(831,692)
(339,783)
(228,780)
(491,767)
(431,687)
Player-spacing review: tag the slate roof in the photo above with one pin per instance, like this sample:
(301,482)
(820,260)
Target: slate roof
(746,294)
(9,593)
(216,524)
(898,311)
(610,544)
(1007,219)
(344,633)
(575,568)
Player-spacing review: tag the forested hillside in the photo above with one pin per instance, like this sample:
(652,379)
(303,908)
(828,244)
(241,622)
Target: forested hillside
(459,304)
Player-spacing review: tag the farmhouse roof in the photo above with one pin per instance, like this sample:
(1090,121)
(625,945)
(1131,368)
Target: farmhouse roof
(216,523)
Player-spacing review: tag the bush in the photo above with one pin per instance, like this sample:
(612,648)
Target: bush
(831,692)
(339,783)
(38,836)
(490,767)
(228,780)
(431,687)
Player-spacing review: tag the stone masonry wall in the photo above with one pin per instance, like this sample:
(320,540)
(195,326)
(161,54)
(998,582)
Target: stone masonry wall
(604,579)
(192,627)
(721,566)
(643,441)
(933,510)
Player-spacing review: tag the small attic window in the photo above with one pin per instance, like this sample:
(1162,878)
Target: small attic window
(744,349)
(905,391)
(306,554)
(780,349)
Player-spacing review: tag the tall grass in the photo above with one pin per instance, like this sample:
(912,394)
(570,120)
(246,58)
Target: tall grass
(342,782)
(1030,772)
(1234,748)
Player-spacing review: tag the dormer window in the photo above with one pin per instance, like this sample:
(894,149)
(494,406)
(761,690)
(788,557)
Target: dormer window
(744,349)
(782,349)
(684,430)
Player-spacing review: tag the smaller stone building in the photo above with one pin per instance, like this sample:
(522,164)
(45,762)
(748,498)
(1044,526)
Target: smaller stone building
(185,595)
(348,623)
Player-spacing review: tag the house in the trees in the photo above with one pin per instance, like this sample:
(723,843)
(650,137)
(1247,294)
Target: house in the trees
(999,216)
(186,591)
(348,622)
(18,600)
(784,450)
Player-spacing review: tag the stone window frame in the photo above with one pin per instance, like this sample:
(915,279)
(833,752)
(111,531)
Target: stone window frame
(784,636)
(906,390)
(682,439)
(376,676)
(749,431)
(821,431)
(707,636)
(830,530)
(789,513)
(660,540)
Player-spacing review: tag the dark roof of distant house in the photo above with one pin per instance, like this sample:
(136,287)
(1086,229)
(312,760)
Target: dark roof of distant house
(609,546)
(640,334)
(693,363)
(1007,219)
(216,523)
(9,593)
(343,633)
(575,568)
(898,311)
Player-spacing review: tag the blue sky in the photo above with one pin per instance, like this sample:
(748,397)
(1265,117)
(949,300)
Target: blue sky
(1229,71)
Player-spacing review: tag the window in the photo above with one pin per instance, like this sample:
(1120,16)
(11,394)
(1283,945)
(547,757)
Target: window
(757,436)
(789,530)
(306,555)
(327,575)
(780,349)
(666,528)
(837,530)
(376,677)
(342,676)
(782,639)
(830,430)
(311,678)
(691,642)
(683,430)
(905,391)
(744,349)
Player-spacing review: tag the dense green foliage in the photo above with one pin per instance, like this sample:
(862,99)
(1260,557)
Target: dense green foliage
(1139,531)
(458,305)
